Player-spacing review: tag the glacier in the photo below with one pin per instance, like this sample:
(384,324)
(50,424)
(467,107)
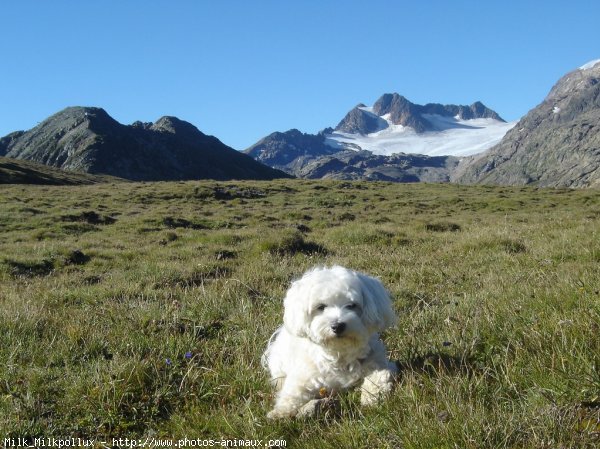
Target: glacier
(451,136)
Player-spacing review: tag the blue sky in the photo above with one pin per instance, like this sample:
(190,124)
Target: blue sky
(240,70)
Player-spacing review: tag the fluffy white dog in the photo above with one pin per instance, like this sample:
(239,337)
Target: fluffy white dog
(329,340)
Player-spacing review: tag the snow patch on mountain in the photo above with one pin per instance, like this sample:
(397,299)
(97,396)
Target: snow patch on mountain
(589,65)
(451,137)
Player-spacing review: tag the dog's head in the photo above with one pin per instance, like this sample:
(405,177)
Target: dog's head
(335,305)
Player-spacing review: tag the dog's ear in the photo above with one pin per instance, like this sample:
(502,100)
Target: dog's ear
(295,315)
(377,305)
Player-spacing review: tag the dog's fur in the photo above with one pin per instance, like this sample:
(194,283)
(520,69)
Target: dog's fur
(329,340)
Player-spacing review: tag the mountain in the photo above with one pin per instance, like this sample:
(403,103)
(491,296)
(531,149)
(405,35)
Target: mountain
(400,111)
(89,140)
(289,149)
(557,144)
(310,156)
(395,140)
(395,125)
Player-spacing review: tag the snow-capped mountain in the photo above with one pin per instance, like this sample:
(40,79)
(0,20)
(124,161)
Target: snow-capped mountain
(449,136)
(395,125)
(394,140)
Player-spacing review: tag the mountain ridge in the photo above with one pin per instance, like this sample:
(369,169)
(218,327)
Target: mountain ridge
(403,112)
(88,139)
(556,144)
(339,154)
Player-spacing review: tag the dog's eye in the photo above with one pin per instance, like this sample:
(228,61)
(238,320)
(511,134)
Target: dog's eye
(320,307)
(352,306)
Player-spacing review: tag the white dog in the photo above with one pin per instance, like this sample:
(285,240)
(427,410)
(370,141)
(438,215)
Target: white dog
(329,340)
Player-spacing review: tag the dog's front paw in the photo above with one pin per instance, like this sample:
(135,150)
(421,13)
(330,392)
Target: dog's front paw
(325,407)
(280,413)
(376,386)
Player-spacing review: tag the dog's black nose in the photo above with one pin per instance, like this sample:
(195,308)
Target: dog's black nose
(338,328)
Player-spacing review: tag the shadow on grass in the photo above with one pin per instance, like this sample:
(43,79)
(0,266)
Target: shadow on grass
(434,364)
(29,269)
(89,217)
(289,244)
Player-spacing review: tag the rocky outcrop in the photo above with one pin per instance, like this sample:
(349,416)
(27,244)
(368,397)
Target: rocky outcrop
(359,121)
(557,144)
(8,141)
(364,165)
(403,112)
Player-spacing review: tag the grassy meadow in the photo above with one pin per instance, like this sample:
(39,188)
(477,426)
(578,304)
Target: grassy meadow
(141,310)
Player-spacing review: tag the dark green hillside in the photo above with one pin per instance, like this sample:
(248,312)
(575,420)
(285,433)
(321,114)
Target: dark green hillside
(14,171)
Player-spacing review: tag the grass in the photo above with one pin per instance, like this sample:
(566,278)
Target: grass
(141,309)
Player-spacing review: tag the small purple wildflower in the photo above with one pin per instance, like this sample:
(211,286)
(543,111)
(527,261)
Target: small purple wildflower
(446,343)
(168,362)
(188,355)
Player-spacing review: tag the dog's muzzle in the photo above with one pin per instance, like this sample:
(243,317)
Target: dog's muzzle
(338,328)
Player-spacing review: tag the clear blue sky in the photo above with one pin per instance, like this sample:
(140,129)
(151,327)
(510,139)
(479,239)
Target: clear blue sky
(240,70)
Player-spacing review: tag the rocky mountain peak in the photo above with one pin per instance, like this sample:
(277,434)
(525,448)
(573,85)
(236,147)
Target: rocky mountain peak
(387,102)
(400,111)
(577,80)
(173,125)
(75,120)
(478,110)
(184,131)
(92,115)
(359,121)
(556,144)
